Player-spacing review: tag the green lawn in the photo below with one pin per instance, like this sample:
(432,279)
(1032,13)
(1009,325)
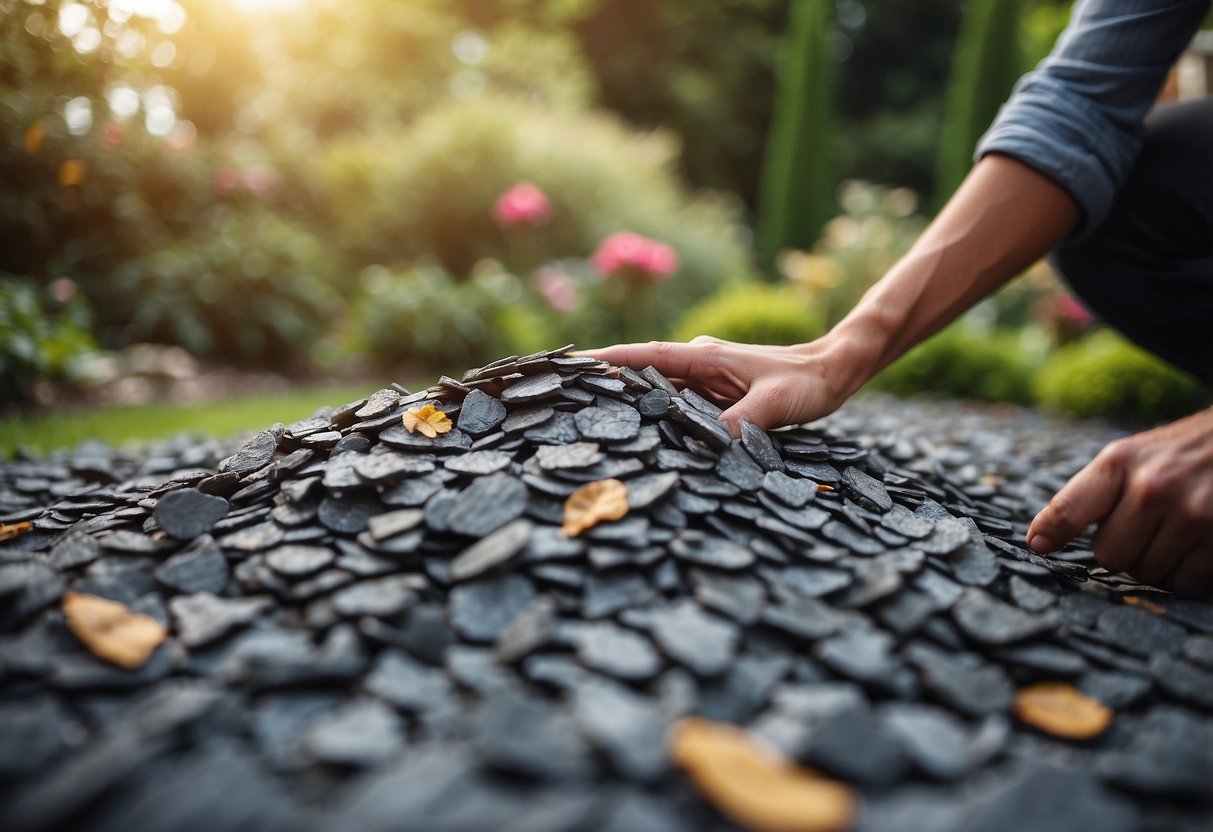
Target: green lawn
(132,424)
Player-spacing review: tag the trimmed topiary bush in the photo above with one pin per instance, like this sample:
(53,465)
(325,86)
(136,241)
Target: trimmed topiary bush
(963,363)
(752,313)
(1105,375)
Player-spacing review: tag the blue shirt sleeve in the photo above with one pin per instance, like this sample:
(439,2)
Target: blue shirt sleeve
(1077,118)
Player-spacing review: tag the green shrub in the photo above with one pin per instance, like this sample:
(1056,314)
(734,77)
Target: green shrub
(429,192)
(1104,375)
(962,362)
(425,319)
(39,338)
(752,313)
(247,286)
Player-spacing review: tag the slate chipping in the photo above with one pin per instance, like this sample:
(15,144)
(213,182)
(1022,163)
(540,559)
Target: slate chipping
(375,608)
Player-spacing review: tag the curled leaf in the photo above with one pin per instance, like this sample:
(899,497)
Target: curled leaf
(11,531)
(111,631)
(1145,603)
(592,503)
(754,784)
(428,421)
(1058,709)
(825,488)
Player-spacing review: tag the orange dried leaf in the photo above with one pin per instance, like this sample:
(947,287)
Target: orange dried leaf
(1058,709)
(1145,603)
(111,631)
(754,784)
(428,421)
(72,172)
(592,503)
(34,136)
(825,488)
(11,531)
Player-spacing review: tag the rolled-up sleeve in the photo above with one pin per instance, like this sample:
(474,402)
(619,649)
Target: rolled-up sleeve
(1077,118)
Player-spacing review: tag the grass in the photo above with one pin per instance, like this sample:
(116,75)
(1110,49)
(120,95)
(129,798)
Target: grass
(124,425)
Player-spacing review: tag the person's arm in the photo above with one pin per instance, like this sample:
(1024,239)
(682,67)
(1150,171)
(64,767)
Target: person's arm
(1003,218)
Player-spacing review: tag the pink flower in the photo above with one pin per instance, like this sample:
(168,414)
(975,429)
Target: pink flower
(63,289)
(1073,313)
(557,289)
(226,180)
(523,204)
(628,253)
(258,179)
(113,134)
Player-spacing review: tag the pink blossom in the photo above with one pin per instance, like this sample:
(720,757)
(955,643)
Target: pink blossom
(523,204)
(258,179)
(557,289)
(1073,313)
(626,252)
(63,289)
(226,180)
(113,134)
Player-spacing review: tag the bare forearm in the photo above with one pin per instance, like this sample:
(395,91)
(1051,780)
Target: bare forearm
(1003,218)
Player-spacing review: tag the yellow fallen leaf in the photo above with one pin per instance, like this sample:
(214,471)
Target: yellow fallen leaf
(34,136)
(824,488)
(11,531)
(72,172)
(111,631)
(592,503)
(756,786)
(428,421)
(1058,709)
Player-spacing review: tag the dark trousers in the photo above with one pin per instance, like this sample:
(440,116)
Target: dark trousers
(1148,270)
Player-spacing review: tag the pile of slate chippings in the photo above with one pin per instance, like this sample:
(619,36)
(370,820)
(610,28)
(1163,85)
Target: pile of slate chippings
(374,630)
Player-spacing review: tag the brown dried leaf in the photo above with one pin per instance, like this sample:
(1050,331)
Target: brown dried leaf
(754,784)
(592,503)
(72,172)
(11,531)
(1058,709)
(428,421)
(1145,603)
(824,488)
(111,631)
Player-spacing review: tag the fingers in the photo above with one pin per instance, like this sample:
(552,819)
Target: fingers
(669,357)
(1163,554)
(1194,574)
(1088,496)
(1124,536)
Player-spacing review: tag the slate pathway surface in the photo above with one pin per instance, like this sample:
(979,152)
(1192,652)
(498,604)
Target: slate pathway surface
(371,630)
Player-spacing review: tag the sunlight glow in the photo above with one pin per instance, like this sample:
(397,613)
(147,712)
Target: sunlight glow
(260,6)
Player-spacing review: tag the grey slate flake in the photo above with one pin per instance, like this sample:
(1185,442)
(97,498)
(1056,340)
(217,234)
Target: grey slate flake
(203,617)
(988,620)
(654,404)
(628,728)
(379,596)
(252,456)
(695,547)
(607,424)
(700,642)
(576,455)
(199,568)
(974,564)
(865,490)
(707,428)
(480,414)
(609,592)
(759,445)
(299,561)
(1141,633)
(791,491)
(478,463)
(532,389)
(480,610)
(405,683)
(349,513)
(487,504)
(939,744)
(188,513)
(617,651)
(738,467)
(1028,595)
(851,744)
(647,489)
(491,551)
(740,597)
(386,468)
(387,526)
(380,402)
(363,733)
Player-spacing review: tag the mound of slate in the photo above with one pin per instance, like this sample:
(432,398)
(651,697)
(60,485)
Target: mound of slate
(369,629)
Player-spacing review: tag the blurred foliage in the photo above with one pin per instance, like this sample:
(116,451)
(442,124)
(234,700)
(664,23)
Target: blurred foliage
(40,338)
(964,362)
(246,286)
(1105,375)
(752,313)
(796,197)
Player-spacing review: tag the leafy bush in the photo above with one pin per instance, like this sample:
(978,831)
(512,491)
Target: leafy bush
(429,192)
(247,286)
(425,319)
(1104,375)
(964,363)
(752,313)
(39,338)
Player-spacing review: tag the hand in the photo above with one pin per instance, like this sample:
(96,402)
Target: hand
(1152,495)
(770,386)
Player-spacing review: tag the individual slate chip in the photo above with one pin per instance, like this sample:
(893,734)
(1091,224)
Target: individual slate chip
(362,733)
(480,610)
(74,549)
(523,736)
(939,744)
(381,469)
(380,403)
(1028,595)
(985,619)
(790,491)
(865,490)
(610,592)
(188,513)
(297,561)
(739,468)
(647,489)
(200,568)
(453,441)
(406,683)
(607,424)
(389,525)
(700,642)
(203,617)
(380,597)
(740,597)
(348,513)
(479,463)
(1141,633)
(532,389)
(253,455)
(974,564)
(572,456)
(819,472)
(654,404)
(491,551)
(758,442)
(714,433)
(487,504)
(697,548)
(658,381)
(948,535)
(616,651)
(480,414)
(629,728)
